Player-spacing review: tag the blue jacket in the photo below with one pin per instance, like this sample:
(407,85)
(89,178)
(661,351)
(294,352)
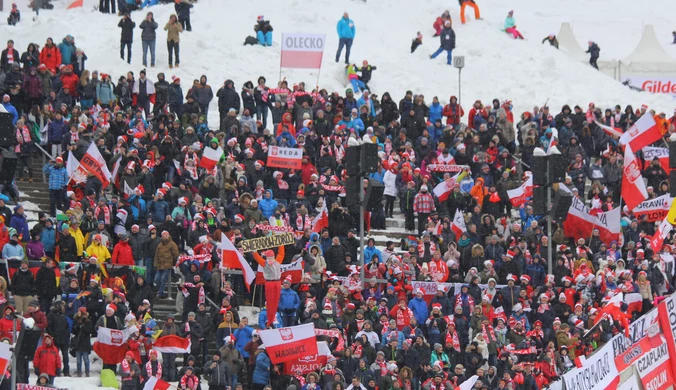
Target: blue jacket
(527,219)
(509,23)
(288,300)
(268,206)
(105,92)
(384,339)
(369,251)
(263,319)
(48,238)
(362,102)
(175,94)
(435,112)
(345,28)
(67,51)
(419,308)
(358,125)
(20,223)
(10,250)
(12,110)
(242,337)
(56,130)
(158,210)
(261,374)
(58,177)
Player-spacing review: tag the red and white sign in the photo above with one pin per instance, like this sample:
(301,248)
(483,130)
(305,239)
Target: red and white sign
(642,133)
(654,367)
(156,384)
(660,235)
(655,84)
(656,209)
(580,223)
(293,269)
(633,187)
(667,316)
(614,131)
(5,357)
(649,153)
(599,372)
(309,363)
(290,158)
(211,157)
(304,51)
(632,354)
(292,343)
(94,163)
(172,344)
(232,258)
(111,344)
(458,225)
(447,168)
(519,195)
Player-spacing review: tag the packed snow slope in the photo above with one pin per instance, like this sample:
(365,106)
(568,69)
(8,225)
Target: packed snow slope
(527,72)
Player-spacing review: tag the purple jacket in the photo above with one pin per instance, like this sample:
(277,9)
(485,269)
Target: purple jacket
(35,250)
(32,85)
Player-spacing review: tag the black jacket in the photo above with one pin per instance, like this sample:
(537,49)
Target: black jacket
(57,327)
(83,330)
(227,97)
(45,282)
(4,61)
(137,293)
(127,25)
(148,28)
(447,38)
(23,283)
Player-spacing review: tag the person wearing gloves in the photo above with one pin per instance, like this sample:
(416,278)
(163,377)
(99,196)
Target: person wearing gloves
(272,273)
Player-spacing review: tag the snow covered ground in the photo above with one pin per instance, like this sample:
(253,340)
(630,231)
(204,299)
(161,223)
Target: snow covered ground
(526,72)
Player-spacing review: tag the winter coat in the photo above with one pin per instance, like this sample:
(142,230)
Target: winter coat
(105,92)
(289,301)
(47,359)
(268,206)
(419,308)
(45,282)
(20,224)
(51,57)
(23,283)
(4,61)
(261,374)
(175,94)
(218,376)
(228,98)
(58,328)
(173,32)
(447,38)
(83,330)
(32,86)
(165,255)
(127,25)
(345,28)
(202,94)
(55,131)
(148,33)
(67,52)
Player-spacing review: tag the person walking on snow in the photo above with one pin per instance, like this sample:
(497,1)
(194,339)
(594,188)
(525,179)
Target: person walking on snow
(471,4)
(447,39)
(346,33)
(273,285)
(510,26)
(594,50)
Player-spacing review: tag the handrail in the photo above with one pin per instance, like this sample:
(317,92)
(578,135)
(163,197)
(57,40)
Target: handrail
(182,277)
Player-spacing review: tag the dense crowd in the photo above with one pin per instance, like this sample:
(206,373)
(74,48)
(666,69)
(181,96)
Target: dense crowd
(509,321)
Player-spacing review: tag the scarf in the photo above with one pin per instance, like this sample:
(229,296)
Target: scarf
(149,369)
(452,338)
(22,136)
(192,170)
(303,222)
(358,350)
(125,366)
(189,382)
(339,152)
(201,297)
(300,379)
(383,367)
(282,184)
(543,307)
(106,214)
(10,56)
(489,335)
(331,188)
(74,136)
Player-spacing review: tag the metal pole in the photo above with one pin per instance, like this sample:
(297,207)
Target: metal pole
(549,221)
(362,210)
(14,357)
(459,85)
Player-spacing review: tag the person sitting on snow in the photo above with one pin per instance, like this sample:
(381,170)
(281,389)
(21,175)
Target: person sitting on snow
(263,31)
(14,15)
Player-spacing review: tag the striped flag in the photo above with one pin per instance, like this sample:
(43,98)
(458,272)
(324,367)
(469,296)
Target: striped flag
(443,190)
(285,344)
(612,131)
(156,384)
(172,344)
(458,225)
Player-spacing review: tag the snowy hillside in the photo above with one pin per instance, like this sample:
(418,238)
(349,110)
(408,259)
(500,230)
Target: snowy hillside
(526,72)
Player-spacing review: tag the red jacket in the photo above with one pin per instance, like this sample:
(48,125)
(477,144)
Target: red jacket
(70,80)
(40,319)
(438,25)
(453,113)
(122,254)
(7,327)
(474,112)
(401,316)
(47,359)
(51,57)
(306,171)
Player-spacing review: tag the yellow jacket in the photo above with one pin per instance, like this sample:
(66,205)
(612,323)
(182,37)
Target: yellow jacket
(101,252)
(79,240)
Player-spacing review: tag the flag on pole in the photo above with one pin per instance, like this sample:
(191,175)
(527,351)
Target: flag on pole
(443,190)
(111,344)
(232,258)
(172,344)
(285,344)
(321,221)
(662,155)
(519,195)
(660,235)
(642,133)
(211,157)
(75,171)
(633,187)
(634,302)
(156,384)
(304,51)
(458,225)
(613,131)
(94,163)
(468,384)
(128,191)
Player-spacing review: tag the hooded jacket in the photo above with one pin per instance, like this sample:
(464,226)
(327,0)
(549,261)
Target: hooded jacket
(268,206)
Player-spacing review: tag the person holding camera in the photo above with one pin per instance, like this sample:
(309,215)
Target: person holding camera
(58,179)
(173,29)
(218,372)
(127,25)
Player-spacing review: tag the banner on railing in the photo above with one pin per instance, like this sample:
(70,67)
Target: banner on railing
(598,372)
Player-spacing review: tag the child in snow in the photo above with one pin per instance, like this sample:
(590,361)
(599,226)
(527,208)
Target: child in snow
(439,23)
(510,26)
(552,40)
(447,39)
(418,41)
(365,70)
(263,31)
(357,85)
(471,4)
(14,16)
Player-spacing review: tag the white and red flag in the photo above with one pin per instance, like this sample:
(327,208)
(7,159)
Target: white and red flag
(94,163)
(232,258)
(111,344)
(156,384)
(5,358)
(304,51)
(580,223)
(210,157)
(519,195)
(660,235)
(443,190)
(662,154)
(76,172)
(292,343)
(634,302)
(309,363)
(642,133)
(172,344)
(294,270)
(614,131)
(633,187)
(321,221)
(458,224)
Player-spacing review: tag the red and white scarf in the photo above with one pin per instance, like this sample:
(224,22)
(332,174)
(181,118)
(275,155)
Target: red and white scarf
(303,222)
(489,335)
(125,366)
(452,338)
(201,297)
(192,170)
(10,56)
(149,369)
(339,152)
(189,382)
(74,136)
(383,367)
(22,136)
(106,214)
(282,184)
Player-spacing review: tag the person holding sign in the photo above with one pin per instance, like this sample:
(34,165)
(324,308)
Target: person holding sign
(272,272)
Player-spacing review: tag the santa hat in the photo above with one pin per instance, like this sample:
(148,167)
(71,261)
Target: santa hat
(579,324)
(556,321)
(644,106)
(146,164)
(327,305)
(139,188)
(175,78)
(489,263)
(230,339)
(567,279)
(59,160)
(486,297)
(287,279)
(419,291)
(249,151)
(517,307)
(259,163)
(131,165)
(350,306)
(525,278)
(511,277)
(436,306)
(510,254)
(166,185)
(239,217)
(551,278)
(111,306)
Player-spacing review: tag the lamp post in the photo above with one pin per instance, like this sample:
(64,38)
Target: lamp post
(546,171)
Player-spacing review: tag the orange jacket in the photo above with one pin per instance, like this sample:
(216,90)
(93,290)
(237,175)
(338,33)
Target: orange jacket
(51,57)
(279,258)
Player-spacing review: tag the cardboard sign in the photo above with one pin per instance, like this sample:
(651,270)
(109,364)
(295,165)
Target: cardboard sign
(267,242)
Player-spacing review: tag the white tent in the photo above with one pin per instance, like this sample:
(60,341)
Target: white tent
(649,57)
(569,43)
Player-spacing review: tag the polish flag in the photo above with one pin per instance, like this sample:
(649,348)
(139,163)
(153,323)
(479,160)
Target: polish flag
(303,51)
(660,235)
(232,258)
(642,133)
(76,4)
(128,191)
(612,131)
(634,302)
(5,357)
(500,313)
(309,363)
(458,225)
(649,153)
(655,209)
(94,163)
(111,344)
(211,157)
(116,170)
(75,171)
(468,384)
(156,384)
(580,222)
(519,195)
(633,187)
(294,270)
(292,343)
(443,190)
(172,344)
(321,221)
